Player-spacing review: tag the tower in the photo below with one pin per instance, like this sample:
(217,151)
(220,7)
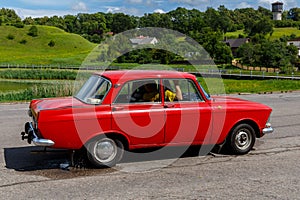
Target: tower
(277,9)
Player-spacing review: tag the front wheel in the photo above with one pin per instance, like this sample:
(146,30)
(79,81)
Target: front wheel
(105,152)
(241,140)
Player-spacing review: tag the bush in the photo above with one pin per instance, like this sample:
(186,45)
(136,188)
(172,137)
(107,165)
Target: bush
(19,25)
(10,37)
(51,43)
(42,74)
(33,31)
(23,41)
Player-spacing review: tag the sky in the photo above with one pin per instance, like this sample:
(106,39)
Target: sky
(40,8)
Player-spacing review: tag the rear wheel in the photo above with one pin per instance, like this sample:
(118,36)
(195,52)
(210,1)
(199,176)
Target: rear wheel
(105,152)
(241,140)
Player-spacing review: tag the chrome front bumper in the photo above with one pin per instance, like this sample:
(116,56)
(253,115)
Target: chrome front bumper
(31,136)
(268,129)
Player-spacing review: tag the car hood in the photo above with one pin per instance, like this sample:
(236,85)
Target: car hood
(232,101)
(54,103)
(227,99)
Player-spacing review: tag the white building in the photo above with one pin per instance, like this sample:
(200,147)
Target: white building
(142,40)
(277,9)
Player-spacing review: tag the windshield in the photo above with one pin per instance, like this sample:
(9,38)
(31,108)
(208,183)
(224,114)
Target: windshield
(205,93)
(94,90)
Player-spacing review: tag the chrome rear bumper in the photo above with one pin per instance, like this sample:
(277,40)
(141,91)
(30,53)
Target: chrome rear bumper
(31,136)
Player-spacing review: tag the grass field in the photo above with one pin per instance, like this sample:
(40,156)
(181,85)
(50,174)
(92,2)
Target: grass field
(249,86)
(17,47)
(25,90)
(8,86)
(278,32)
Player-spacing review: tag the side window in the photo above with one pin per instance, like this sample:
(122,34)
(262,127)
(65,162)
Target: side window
(181,90)
(124,94)
(139,92)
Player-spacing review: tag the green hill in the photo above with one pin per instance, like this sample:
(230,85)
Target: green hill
(278,32)
(52,46)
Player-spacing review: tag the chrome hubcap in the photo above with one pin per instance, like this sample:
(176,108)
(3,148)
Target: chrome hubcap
(243,140)
(105,150)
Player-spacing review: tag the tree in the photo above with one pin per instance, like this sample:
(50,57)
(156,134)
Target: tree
(29,21)
(56,21)
(212,18)
(9,16)
(263,26)
(196,22)
(247,54)
(265,12)
(180,19)
(225,22)
(212,42)
(33,31)
(294,14)
(122,22)
(269,54)
(70,23)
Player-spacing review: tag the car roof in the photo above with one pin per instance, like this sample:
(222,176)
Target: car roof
(127,75)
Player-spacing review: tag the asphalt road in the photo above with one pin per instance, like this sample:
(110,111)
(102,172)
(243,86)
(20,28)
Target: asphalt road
(271,171)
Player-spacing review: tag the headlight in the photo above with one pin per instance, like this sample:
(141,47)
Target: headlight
(268,125)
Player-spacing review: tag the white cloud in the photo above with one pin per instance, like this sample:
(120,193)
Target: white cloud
(126,10)
(113,9)
(159,11)
(265,3)
(80,6)
(23,13)
(244,5)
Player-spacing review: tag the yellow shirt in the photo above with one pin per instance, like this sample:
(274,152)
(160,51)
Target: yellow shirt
(170,96)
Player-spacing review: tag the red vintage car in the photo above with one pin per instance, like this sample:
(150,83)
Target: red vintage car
(125,110)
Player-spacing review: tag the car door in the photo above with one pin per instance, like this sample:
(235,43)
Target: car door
(141,120)
(188,118)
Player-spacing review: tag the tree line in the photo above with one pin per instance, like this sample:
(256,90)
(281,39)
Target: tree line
(207,28)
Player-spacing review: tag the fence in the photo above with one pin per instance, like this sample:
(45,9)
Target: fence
(244,75)
(205,73)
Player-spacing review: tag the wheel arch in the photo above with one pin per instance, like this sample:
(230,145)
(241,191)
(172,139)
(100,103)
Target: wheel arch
(111,135)
(251,123)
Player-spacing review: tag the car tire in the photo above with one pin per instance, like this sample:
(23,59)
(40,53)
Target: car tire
(241,139)
(105,152)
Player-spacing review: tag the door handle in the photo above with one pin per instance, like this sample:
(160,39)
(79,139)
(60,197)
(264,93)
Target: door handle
(169,106)
(117,108)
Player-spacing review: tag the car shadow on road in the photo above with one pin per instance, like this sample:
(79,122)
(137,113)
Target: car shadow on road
(34,158)
(149,154)
(37,158)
